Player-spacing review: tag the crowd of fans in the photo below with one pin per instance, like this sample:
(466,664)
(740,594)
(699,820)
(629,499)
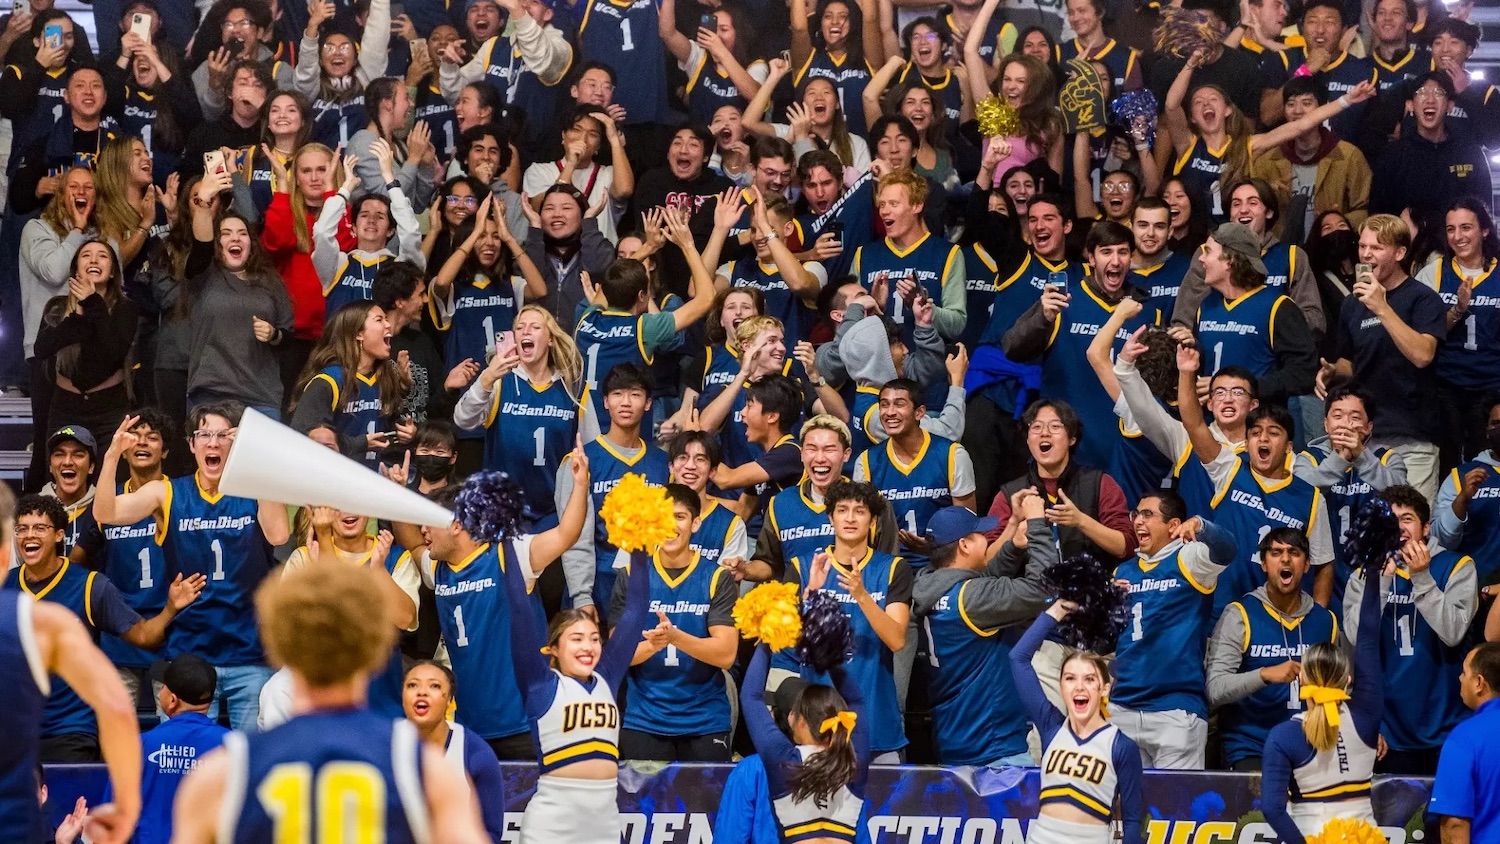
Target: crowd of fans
(779,255)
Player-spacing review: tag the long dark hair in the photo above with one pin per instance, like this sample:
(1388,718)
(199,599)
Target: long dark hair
(67,359)
(825,772)
(259,271)
(339,346)
(1490,244)
(504,261)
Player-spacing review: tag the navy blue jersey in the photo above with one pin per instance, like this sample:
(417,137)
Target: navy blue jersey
(134,562)
(709,89)
(672,693)
(916,490)
(50,108)
(349,771)
(481,306)
(353,281)
(219,537)
(976,715)
(997,34)
(335,122)
(720,365)
(1200,169)
(1137,465)
(529,429)
(1159,655)
(926,262)
(980,279)
(1270,640)
(1281,261)
(82,530)
(849,78)
(475,618)
(1406,67)
(1343,499)
(1481,537)
(24,677)
(1341,76)
(607,467)
(1469,357)
(1413,656)
(137,116)
(796,317)
(1120,59)
(171,750)
(262,178)
(440,117)
(855,210)
(623,35)
(715,525)
(733,435)
(1015,296)
(1249,506)
(355,415)
(606,339)
(1162,281)
(1242,332)
(864,416)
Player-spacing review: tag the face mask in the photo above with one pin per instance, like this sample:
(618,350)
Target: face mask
(431,467)
(1492,439)
(1341,244)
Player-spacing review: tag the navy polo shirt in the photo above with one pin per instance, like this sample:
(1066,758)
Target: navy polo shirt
(1468,775)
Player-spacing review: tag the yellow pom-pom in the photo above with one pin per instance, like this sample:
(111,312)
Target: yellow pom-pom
(769,613)
(637,517)
(997,118)
(1348,831)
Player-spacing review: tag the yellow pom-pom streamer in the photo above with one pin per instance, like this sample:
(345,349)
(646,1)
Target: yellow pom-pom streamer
(997,118)
(769,613)
(637,517)
(1326,697)
(1347,831)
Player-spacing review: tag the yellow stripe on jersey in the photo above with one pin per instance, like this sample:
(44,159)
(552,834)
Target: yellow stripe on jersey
(1068,794)
(819,826)
(1339,792)
(582,749)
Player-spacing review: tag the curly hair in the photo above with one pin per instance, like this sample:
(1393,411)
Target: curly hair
(325,623)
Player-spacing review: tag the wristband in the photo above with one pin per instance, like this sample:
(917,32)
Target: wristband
(392,185)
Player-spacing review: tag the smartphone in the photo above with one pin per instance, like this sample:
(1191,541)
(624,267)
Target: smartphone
(18,6)
(52,36)
(1362,269)
(709,21)
(786,56)
(213,162)
(140,24)
(505,343)
(1057,281)
(835,228)
(418,46)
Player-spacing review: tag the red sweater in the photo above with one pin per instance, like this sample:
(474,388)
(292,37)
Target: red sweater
(279,237)
(1114,511)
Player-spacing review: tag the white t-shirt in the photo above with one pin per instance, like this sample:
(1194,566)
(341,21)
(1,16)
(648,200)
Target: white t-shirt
(593,182)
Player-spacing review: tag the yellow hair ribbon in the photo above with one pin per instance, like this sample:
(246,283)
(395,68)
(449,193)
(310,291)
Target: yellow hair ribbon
(1326,697)
(1104,705)
(844,719)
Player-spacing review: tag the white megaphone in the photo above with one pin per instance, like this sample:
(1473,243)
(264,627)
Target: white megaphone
(272,462)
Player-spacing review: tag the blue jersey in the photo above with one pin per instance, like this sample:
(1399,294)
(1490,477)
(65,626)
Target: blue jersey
(219,537)
(855,209)
(872,667)
(49,110)
(803,528)
(1481,538)
(138,114)
(606,339)
(1162,281)
(474,616)
(976,715)
(1015,296)
(347,770)
(715,525)
(1406,67)
(1270,640)
(518,84)
(1065,364)
(1122,61)
(709,89)
(528,431)
(262,177)
(24,677)
(134,562)
(481,306)
(1159,655)
(720,365)
(1469,357)
(623,35)
(607,467)
(864,416)
(386,685)
(1242,332)
(849,78)
(733,435)
(1341,76)
(1414,657)
(672,693)
(980,278)
(1249,506)
(1200,169)
(1281,261)
(926,262)
(335,122)
(440,117)
(916,490)
(170,752)
(355,415)
(1341,501)
(1138,466)
(796,318)
(946,91)
(353,281)
(82,529)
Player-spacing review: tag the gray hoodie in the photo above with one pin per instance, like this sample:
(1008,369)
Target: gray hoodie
(861,351)
(995,597)
(1226,652)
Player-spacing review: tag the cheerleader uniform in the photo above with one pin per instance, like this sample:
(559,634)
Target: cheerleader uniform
(572,721)
(1082,772)
(837,818)
(1325,784)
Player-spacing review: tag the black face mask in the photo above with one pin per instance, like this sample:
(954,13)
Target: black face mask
(432,467)
(1341,244)
(1492,439)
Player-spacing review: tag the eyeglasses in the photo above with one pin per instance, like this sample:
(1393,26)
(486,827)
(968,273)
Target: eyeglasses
(39,530)
(1144,514)
(244,23)
(461,201)
(1117,187)
(211,437)
(1430,94)
(1229,392)
(925,36)
(1047,428)
(340,47)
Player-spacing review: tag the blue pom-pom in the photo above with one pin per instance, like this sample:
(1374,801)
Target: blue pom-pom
(1131,105)
(827,636)
(1373,538)
(490,506)
(1103,608)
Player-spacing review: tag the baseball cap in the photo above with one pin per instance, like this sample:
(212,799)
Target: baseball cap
(785,697)
(1237,238)
(77,433)
(951,524)
(189,677)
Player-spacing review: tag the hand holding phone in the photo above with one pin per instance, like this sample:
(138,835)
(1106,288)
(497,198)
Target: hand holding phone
(1057,281)
(709,21)
(505,343)
(213,162)
(52,36)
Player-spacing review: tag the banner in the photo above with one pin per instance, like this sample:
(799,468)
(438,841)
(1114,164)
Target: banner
(676,804)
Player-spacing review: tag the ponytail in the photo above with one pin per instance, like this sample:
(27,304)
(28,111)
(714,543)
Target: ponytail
(1325,672)
(830,769)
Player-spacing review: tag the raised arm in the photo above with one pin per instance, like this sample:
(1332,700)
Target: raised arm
(802,47)
(1317,117)
(773,745)
(1276,781)
(756,117)
(876,87)
(1083,188)
(1367,697)
(975,67)
(679,45)
(112,507)
(854,696)
(615,661)
(1204,445)
(549,545)
(325,250)
(527,634)
(1041,711)
(1172,111)
(701,286)
(1101,348)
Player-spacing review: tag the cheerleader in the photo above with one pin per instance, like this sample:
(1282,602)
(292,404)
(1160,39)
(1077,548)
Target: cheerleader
(568,691)
(1086,766)
(816,779)
(1314,767)
(426,696)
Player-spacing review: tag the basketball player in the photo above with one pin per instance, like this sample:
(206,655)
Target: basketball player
(335,767)
(38,640)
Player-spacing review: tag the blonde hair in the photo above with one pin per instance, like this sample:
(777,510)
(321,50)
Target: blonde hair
(326,624)
(300,225)
(916,186)
(564,354)
(825,422)
(58,214)
(1327,666)
(1389,229)
(752,327)
(114,214)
